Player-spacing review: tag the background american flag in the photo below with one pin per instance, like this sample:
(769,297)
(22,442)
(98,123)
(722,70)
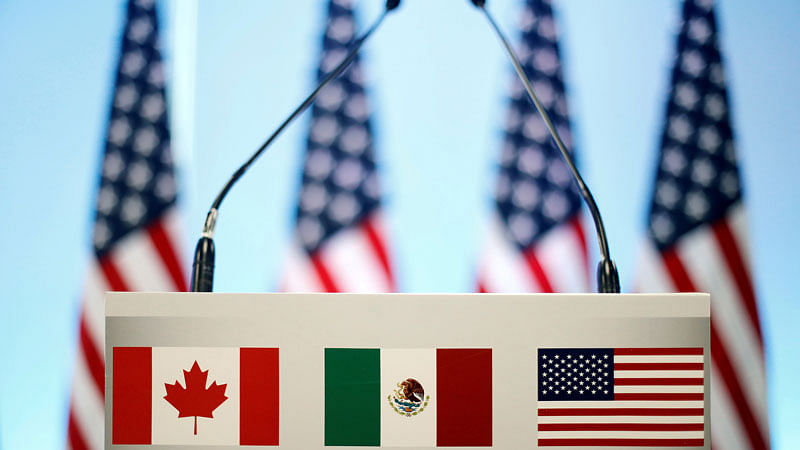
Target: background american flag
(697,237)
(621,397)
(339,241)
(136,228)
(536,239)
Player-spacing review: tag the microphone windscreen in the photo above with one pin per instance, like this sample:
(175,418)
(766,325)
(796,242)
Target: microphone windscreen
(479,3)
(392,4)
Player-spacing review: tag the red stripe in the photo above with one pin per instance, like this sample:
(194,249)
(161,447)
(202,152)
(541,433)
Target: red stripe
(675,396)
(163,244)
(259,394)
(482,287)
(726,371)
(659,351)
(658,366)
(379,248)
(621,427)
(733,257)
(621,412)
(577,228)
(621,442)
(537,271)
(92,357)
(658,381)
(464,420)
(322,273)
(720,357)
(75,434)
(115,280)
(131,416)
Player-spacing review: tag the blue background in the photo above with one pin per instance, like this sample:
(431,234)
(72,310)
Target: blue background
(437,83)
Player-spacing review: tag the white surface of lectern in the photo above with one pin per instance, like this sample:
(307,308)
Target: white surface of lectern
(311,371)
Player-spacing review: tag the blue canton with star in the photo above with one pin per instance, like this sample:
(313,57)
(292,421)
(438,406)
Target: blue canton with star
(340,184)
(137,182)
(535,190)
(698,177)
(571,374)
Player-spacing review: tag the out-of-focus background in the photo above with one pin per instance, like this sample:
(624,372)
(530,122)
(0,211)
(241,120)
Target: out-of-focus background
(437,81)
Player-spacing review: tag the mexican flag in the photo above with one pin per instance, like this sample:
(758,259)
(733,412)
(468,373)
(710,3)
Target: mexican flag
(408,397)
(194,396)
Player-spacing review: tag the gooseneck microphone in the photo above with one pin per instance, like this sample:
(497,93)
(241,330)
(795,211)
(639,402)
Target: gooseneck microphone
(607,275)
(203,264)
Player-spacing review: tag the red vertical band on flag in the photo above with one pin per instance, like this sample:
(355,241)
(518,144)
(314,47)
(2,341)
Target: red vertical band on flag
(537,271)
(258,413)
(378,247)
(464,420)
(132,409)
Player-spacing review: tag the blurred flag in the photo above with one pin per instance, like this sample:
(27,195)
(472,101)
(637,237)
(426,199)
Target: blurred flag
(136,228)
(339,241)
(536,239)
(697,239)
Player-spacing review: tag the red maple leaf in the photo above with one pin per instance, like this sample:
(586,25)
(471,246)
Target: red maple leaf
(195,400)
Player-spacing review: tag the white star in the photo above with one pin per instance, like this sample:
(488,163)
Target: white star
(132,63)
(680,128)
(357,108)
(343,208)
(556,205)
(152,107)
(101,233)
(126,97)
(341,29)
(534,129)
(113,165)
(531,161)
(513,121)
(348,174)
(667,193)
(139,174)
(696,205)
(729,184)
(145,140)
(332,96)
(354,140)
(686,95)
(139,29)
(522,227)
(319,164)
(310,231)
(133,209)
(106,199)
(324,130)
(715,106)
(155,76)
(662,227)
(525,195)
(673,161)
(547,28)
(692,63)
(699,30)
(545,91)
(119,131)
(331,59)
(703,172)
(709,139)
(716,75)
(370,187)
(558,173)
(313,198)
(165,188)
(546,61)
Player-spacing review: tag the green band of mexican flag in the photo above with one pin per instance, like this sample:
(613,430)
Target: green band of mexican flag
(408,397)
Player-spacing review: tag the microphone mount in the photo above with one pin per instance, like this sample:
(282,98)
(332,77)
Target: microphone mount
(607,275)
(203,265)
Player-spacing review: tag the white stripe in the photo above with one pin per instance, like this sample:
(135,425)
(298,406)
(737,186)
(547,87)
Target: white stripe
(300,274)
(737,220)
(658,374)
(503,269)
(173,227)
(559,253)
(620,434)
(139,263)
(353,263)
(658,358)
(87,405)
(727,431)
(94,304)
(659,389)
(706,265)
(651,275)
(620,404)
(620,419)
(397,365)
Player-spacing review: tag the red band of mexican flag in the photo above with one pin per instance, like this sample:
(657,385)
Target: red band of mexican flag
(194,396)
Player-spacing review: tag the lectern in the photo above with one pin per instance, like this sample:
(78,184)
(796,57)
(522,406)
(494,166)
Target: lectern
(313,371)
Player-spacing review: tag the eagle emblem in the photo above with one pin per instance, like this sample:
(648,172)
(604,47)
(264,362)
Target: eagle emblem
(409,398)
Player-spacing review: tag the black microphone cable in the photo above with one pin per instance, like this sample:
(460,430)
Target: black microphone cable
(607,275)
(203,265)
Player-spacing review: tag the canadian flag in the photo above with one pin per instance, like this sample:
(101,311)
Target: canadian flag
(194,396)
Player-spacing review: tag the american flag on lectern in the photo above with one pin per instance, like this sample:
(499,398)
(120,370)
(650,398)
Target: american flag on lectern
(697,239)
(339,241)
(536,239)
(135,229)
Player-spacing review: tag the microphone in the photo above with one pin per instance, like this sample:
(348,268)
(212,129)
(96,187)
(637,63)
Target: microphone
(607,275)
(203,264)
